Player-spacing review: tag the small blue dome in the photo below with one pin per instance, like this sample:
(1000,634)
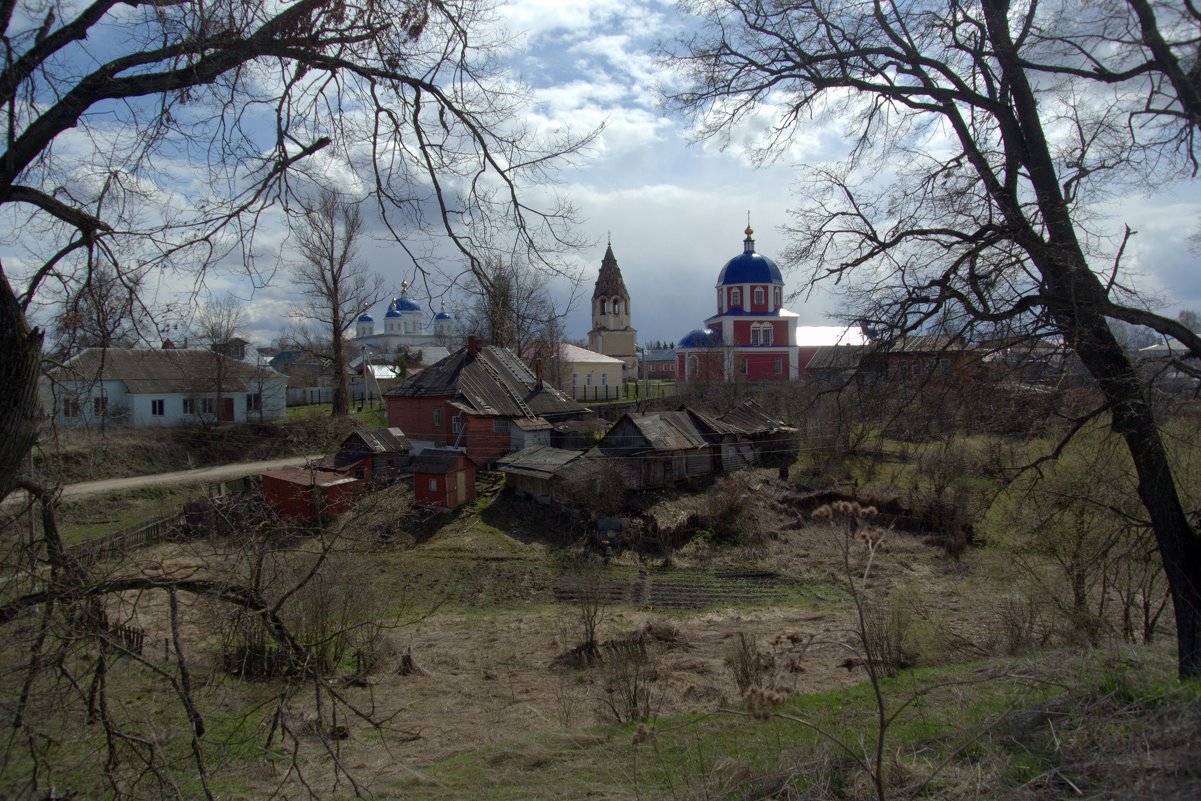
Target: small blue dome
(406,305)
(392,312)
(749,267)
(442,316)
(700,338)
(365,317)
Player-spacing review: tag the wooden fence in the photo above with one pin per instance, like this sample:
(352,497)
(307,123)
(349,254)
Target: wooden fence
(121,542)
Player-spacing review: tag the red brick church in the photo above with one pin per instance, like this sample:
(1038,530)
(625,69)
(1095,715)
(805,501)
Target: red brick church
(752,337)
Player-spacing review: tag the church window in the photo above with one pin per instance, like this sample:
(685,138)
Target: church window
(779,365)
(616,306)
(758,296)
(742,367)
(692,365)
(777,298)
(754,335)
(735,297)
(604,306)
(767,335)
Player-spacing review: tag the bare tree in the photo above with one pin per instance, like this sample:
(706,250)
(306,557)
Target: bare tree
(996,125)
(333,281)
(217,326)
(513,308)
(104,311)
(190,120)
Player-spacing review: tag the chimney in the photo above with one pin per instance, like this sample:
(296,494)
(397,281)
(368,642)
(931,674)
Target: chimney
(473,347)
(538,373)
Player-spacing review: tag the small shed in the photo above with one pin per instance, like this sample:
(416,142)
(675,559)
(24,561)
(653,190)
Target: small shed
(371,453)
(442,477)
(540,471)
(308,496)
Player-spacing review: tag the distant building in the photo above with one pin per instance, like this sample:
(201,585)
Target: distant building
(143,388)
(752,337)
(405,328)
(658,363)
(612,331)
(308,496)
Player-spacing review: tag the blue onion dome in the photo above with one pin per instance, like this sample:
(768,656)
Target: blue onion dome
(749,267)
(366,317)
(406,304)
(442,316)
(392,312)
(700,338)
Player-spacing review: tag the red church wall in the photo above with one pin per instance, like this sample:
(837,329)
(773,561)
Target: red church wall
(762,366)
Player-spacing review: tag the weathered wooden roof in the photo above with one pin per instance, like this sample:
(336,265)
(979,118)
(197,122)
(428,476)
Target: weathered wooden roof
(493,382)
(659,431)
(538,461)
(379,440)
(836,358)
(167,372)
(749,417)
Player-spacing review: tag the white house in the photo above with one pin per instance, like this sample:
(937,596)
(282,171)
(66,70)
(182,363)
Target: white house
(585,374)
(161,388)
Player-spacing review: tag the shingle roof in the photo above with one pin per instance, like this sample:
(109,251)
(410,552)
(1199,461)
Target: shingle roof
(494,382)
(162,371)
(608,281)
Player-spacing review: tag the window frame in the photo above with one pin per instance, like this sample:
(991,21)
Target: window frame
(437,416)
(158,407)
(759,296)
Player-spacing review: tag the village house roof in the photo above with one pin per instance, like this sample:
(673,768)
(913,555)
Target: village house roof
(162,372)
(308,478)
(539,461)
(379,440)
(751,418)
(660,431)
(835,359)
(492,382)
(435,460)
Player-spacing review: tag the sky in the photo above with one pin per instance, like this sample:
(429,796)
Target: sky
(674,209)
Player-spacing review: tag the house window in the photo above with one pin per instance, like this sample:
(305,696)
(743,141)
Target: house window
(100,406)
(158,407)
(254,402)
(604,379)
(758,296)
(735,297)
(742,367)
(189,406)
(208,405)
(437,417)
(433,485)
(456,423)
(71,407)
(500,425)
(588,380)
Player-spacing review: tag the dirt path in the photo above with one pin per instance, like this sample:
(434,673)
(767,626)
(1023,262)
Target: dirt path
(199,475)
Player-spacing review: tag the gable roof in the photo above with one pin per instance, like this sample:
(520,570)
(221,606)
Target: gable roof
(835,358)
(380,440)
(492,382)
(162,371)
(660,431)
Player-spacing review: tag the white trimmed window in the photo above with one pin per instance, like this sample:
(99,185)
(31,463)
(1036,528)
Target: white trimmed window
(758,296)
(71,407)
(735,297)
(158,407)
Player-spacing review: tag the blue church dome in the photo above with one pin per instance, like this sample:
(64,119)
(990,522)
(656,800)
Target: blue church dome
(406,305)
(749,267)
(392,312)
(700,338)
(366,317)
(442,316)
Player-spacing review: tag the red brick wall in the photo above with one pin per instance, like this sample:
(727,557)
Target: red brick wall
(482,442)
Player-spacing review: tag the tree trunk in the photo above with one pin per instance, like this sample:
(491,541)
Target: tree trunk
(1077,303)
(20,357)
(341,399)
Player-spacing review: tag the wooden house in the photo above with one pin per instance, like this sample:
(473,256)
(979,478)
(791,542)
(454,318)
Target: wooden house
(442,477)
(380,454)
(762,438)
(658,448)
(541,472)
(481,399)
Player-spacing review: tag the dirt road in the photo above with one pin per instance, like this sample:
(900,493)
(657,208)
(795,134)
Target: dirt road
(199,475)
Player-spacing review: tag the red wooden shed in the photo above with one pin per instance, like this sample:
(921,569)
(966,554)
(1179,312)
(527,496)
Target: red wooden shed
(308,495)
(442,477)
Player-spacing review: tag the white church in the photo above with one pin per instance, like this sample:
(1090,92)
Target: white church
(405,330)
